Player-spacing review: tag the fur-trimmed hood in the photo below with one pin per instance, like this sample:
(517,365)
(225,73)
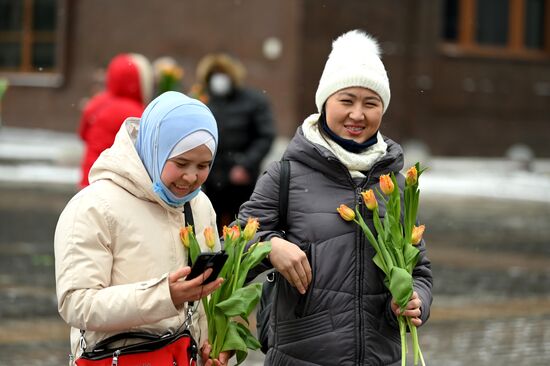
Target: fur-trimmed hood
(220,62)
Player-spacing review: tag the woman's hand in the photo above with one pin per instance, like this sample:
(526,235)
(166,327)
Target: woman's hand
(183,291)
(223,359)
(413,309)
(291,262)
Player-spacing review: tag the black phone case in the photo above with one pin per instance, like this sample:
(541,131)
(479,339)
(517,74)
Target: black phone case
(208,260)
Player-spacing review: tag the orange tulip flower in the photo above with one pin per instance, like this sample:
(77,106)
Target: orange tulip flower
(347,213)
(417,233)
(184,235)
(411,176)
(209,237)
(370,199)
(386,184)
(250,229)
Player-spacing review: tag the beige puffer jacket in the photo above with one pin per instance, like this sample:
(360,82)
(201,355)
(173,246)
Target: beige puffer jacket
(115,243)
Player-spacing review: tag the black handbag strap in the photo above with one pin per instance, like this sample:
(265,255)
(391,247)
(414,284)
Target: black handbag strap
(284,183)
(188,221)
(151,342)
(128,335)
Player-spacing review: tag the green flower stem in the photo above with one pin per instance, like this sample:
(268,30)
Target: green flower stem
(388,258)
(208,317)
(403,333)
(219,339)
(372,240)
(416,346)
(237,268)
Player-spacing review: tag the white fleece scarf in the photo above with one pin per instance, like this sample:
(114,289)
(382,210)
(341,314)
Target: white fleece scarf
(356,163)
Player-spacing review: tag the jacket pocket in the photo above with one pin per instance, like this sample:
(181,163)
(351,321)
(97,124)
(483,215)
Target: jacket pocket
(307,327)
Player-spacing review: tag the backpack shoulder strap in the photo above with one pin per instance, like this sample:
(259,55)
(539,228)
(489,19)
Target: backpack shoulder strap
(283,193)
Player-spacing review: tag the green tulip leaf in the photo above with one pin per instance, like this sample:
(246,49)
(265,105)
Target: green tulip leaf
(380,263)
(194,247)
(234,342)
(220,324)
(256,254)
(248,337)
(401,286)
(411,254)
(242,301)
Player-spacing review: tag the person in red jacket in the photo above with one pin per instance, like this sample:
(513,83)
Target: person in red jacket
(129,87)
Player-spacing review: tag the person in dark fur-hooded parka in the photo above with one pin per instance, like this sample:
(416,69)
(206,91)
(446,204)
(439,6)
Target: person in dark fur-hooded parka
(246,130)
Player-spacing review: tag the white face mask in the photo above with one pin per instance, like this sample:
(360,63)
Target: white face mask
(220,84)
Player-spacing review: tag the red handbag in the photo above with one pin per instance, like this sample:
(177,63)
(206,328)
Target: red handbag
(170,349)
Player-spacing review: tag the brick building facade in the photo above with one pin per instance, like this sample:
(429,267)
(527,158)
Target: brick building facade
(447,91)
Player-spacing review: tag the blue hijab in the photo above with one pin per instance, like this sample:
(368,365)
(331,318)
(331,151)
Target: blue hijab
(169,118)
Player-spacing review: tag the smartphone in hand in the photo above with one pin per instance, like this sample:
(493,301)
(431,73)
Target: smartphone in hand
(204,261)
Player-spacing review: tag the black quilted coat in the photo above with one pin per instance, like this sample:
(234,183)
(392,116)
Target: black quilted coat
(345,317)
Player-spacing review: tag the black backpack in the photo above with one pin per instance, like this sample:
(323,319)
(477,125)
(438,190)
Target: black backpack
(268,287)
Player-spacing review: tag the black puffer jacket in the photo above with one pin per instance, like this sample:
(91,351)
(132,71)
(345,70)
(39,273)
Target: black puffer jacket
(246,130)
(345,317)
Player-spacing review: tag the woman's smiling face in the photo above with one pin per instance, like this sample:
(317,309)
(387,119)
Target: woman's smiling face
(186,172)
(354,113)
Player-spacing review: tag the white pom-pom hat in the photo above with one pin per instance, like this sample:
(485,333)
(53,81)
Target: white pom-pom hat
(354,61)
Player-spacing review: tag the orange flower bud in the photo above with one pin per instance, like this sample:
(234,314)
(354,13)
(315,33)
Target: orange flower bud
(184,235)
(231,233)
(209,237)
(386,184)
(369,199)
(411,176)
(417,233)
(346,213)
(250,229)
(226,231)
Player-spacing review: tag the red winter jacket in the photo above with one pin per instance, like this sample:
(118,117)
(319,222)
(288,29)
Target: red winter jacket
(128,89)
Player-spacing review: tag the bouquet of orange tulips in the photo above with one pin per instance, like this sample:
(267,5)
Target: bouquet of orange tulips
(233,299)
(168,75)
(395,243)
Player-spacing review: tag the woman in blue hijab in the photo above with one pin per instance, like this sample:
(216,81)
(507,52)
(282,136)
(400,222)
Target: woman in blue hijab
(120,262)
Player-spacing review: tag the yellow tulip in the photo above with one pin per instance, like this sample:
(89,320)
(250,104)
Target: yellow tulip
(250,229)
(386,184)
(417,233)
(346,213)
(370,199)
(209,237)
(184,235)
(411,176)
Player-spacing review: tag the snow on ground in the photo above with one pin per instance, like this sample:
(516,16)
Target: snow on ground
(39,158)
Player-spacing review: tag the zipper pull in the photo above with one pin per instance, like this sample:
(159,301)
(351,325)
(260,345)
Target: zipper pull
(115,358)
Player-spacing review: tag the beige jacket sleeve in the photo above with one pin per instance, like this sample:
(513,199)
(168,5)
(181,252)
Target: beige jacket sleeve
(84,262)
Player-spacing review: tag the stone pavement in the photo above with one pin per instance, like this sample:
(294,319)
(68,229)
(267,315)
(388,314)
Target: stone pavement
(490,255)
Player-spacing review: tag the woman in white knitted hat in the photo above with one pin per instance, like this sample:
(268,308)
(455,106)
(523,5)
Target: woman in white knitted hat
(331,306)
